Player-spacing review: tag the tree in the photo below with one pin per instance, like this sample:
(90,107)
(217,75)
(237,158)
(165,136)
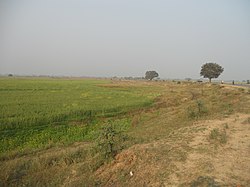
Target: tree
(149,75)
(211,70)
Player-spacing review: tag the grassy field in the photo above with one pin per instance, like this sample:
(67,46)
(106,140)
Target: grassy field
(40,112)
(179,133)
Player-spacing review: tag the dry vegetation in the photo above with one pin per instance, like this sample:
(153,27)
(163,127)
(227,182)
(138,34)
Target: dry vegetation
(193,135)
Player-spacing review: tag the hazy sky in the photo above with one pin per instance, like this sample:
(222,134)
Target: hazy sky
(124,37)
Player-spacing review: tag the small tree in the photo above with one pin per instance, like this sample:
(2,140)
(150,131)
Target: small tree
(211,70)
(149,75)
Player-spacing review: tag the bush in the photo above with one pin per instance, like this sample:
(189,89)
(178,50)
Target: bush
(110,141)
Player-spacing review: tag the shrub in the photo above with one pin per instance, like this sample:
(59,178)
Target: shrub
(198,110)
(110,141)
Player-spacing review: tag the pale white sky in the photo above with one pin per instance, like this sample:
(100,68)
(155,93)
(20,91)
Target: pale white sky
(124,37)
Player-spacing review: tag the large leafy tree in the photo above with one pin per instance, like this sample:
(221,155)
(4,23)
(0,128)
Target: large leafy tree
(149,75)
(211,70)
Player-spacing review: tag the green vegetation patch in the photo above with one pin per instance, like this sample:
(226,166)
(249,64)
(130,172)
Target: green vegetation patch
(218,136)
(39,112)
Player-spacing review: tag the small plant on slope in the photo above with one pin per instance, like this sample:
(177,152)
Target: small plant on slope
(198,110)
(110,141)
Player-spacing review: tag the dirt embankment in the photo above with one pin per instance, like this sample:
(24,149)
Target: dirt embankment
(213,152)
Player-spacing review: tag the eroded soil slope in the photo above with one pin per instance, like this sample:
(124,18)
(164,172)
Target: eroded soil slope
(212,152)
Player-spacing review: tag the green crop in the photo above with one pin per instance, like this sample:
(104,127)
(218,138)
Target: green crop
(39,112)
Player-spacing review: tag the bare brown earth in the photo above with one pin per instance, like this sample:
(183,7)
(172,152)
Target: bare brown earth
(187,157)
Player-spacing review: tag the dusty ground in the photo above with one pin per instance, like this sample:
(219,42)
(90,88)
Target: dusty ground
(190,156)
